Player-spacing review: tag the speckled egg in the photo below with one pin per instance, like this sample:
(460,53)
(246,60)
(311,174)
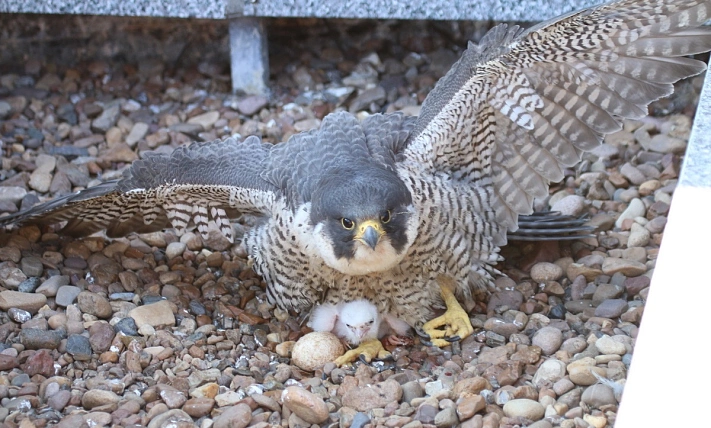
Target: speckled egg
(315,349)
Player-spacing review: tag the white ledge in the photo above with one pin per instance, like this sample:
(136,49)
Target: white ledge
(668,375)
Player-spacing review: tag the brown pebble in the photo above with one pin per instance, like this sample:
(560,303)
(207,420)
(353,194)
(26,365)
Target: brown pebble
(199,407)
(237,416)
(308,406)
(470,405)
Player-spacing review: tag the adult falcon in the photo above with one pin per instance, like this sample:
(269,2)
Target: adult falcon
(410,212)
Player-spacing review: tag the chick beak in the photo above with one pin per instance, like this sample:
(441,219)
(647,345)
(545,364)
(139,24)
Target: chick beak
(369,233)
(362,332)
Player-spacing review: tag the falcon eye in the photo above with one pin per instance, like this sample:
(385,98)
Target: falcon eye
(385,218)
(347,223)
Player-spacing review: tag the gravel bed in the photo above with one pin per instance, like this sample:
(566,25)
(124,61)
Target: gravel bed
(158,330)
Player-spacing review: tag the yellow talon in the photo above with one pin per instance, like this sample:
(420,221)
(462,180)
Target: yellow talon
(371,348)
(455,318)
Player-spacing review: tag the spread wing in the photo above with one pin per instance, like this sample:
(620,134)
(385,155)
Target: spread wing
(520,106)
(213,182)
(196,184)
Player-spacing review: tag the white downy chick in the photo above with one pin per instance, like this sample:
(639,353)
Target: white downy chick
(356,321)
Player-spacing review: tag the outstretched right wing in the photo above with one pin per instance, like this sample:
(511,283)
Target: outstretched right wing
(522,105)
(198,184)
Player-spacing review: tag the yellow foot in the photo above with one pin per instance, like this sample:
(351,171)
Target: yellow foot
(371,348)
(455,319)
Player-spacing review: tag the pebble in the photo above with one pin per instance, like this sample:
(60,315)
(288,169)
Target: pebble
(39,363)
(524,408)
(542,272)
(66,295)
(101,335)
(306,405)
(206,120)
(251,105)
(50,287)
(469,405)
(607,345)
(127,326)
(238,416)
(94,304)
(198,407)
(549,372)
(29,285)
(548,339)
(97,398)
(11,277)
(613,265)
(446,418)
(580,371)
(138,131)
(155,315)
(573,205)
(79,347)
(639,236)
(32,266)
(12,194)
(598,395)
(32,338)
(611,308)
(175,249)
(634,209)
(59,400)
(634,285)
(106,119)
(365,397)
(178,418)
(30,302)
(634,175)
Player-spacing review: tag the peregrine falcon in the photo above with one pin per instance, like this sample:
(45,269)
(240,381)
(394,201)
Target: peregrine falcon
(409,213)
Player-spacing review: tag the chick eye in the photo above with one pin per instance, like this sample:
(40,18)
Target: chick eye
(347,223)
(385,217)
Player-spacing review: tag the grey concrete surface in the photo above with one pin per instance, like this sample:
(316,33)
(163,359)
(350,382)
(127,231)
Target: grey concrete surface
(499,10)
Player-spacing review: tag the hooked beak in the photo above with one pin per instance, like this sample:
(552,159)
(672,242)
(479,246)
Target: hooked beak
(369,232)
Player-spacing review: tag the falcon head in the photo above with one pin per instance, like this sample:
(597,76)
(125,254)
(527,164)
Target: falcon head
(364,220)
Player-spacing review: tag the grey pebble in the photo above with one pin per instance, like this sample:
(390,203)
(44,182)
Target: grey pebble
(66,295)
(360,420)
(611,308)
(32,266)
(127,326)
(29,285)
(79,347)
(20,316)
(50,287)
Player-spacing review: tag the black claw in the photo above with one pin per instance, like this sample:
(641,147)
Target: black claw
(426,342)
(453,339)
(422,334)
(362,359)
